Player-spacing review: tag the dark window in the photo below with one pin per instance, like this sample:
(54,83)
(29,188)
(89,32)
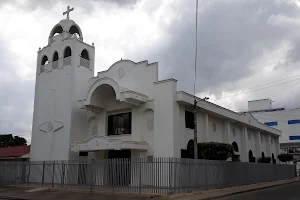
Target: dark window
(250,156)
(74,30)
(84,54)
(55,56)
(44,60)
(235,147)
(58,30)
(119,124)
(189,120)
(83,153)
(68,52)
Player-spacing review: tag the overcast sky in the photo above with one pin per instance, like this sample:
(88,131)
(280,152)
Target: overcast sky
(241,44)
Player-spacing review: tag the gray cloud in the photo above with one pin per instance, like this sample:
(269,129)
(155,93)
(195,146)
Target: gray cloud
(232,34)
(87,5)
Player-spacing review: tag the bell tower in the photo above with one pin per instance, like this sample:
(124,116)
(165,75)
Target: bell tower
(64,67)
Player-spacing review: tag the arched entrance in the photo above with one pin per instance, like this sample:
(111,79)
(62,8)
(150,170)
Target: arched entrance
(235,147)
(273,158)
(250,156)
(235,156)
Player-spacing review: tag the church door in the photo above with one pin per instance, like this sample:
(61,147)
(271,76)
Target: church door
(120,167)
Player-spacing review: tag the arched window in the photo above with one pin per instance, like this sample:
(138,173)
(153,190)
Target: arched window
(67,56)
(44,60)
(68,52)
(44,63)
(84,60)
(263,155)
(235,147)
(84,54)
(55,59)
(273,158)
(57,30)
(250,156)
(55,56)
(74,30)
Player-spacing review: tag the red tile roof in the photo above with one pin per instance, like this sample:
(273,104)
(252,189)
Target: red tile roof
(16,151)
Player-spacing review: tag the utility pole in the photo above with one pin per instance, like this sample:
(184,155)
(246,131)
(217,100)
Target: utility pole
(195,127)
(195,101)
(195,130)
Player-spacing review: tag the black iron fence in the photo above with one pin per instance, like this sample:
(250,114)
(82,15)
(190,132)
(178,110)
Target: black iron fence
(144,175)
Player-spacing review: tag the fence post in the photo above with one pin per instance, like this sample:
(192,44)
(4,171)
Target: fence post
(205,181)
(140,176)
(91,176)
(28,173)
(53,171)
(43,176)
(170,175)
(189,179)
(63,174)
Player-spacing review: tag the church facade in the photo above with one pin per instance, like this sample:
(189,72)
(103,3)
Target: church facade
(125,111)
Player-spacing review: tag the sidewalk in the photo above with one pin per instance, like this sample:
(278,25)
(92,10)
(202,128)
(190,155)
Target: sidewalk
(20,193)
(218,193)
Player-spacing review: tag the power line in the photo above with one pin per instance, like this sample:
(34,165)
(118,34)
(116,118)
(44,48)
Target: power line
(249,90)
(273,82)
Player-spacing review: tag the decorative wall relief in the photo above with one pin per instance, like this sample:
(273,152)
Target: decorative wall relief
(233,132)
(121,73)
(150,124)
(51,126)
(214,127)
(94,130)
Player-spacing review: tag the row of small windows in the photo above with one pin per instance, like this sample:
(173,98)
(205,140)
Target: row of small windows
(68,52)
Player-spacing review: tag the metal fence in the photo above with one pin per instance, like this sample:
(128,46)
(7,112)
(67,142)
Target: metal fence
(144,175)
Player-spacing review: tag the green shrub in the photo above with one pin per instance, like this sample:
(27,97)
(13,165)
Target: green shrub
(267,160)
(214,151)
(264,160)
(285,157)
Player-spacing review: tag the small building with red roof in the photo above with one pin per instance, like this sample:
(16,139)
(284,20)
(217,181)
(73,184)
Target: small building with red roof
(19,153)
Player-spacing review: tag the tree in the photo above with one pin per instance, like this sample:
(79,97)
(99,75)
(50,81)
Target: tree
(8,140)
(285,157)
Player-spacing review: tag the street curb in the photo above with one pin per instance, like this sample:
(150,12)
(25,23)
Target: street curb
(250,190)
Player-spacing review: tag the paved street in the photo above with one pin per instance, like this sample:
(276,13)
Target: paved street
(285,192)
(20,194)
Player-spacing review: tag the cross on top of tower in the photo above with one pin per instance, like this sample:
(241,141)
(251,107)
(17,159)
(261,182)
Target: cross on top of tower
(68,11)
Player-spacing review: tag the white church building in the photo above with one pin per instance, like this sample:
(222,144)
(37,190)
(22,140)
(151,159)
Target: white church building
(125,111)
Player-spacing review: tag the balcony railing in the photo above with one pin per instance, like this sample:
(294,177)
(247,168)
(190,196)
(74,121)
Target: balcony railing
(67,61)
(43,68)
(84,62)
(55,64)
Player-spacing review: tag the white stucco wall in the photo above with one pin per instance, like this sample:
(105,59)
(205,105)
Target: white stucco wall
(164,133)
